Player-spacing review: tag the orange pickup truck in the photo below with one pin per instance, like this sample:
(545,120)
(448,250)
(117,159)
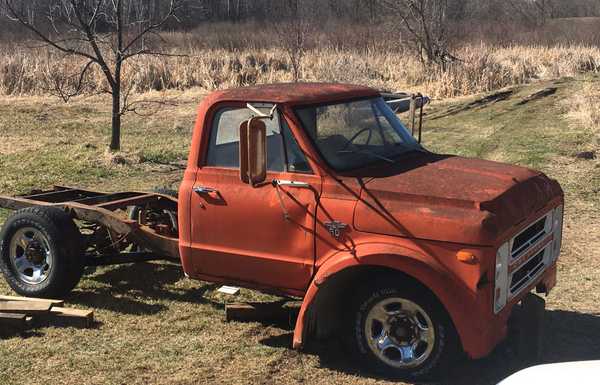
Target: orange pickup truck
(318,191)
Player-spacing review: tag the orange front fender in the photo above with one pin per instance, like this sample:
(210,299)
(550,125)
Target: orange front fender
(453,294)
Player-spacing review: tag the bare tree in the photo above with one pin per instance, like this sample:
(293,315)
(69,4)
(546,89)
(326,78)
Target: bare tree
(426,24)
(532,12)
(106,33)
(293,34)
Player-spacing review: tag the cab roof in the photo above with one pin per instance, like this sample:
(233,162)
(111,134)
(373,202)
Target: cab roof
(295,93)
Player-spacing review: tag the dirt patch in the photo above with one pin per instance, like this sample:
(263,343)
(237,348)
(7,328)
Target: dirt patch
(537,95)
(486,100)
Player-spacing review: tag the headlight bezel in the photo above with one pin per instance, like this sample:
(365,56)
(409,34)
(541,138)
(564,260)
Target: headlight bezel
(501,277)
(557,228)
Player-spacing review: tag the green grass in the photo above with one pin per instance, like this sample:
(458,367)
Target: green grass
(155,326)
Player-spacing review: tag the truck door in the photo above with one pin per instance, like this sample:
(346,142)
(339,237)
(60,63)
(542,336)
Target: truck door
(258,235)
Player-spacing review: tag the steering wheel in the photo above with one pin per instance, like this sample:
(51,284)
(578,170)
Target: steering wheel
(351,140)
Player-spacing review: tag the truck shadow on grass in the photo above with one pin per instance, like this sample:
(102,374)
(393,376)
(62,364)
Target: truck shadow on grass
(126,289)
(118,289)
(569,336)
(34,328)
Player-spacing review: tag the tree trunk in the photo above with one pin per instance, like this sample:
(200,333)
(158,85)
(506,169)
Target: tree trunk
(115,141)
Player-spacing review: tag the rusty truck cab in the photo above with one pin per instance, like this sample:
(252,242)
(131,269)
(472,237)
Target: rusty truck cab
(446,225)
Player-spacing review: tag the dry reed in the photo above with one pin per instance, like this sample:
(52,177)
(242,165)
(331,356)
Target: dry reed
(584,109)
(481,68)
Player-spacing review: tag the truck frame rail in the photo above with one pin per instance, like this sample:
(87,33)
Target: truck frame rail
(102,218)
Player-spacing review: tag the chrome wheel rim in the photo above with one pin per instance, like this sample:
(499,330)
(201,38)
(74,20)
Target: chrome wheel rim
(30,255)
(400,333)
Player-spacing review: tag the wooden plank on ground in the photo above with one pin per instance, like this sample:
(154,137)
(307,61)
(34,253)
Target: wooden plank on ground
(16,321)
(25,307)
(259,311)
(55,302)
(81,317)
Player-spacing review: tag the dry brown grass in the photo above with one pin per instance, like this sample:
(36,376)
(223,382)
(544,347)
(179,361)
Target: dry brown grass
(584,107)
(482,68)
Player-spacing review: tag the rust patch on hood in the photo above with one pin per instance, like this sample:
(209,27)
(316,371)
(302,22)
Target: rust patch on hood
(453,199)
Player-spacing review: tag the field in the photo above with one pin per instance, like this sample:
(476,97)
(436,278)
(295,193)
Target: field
(154,326)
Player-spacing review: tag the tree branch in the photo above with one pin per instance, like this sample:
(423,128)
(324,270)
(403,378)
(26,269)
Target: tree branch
(59,86)
(91,37)
(15,16)
(173,7)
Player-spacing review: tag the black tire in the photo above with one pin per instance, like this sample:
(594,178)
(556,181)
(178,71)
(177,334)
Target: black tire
(445,347)
(65,244)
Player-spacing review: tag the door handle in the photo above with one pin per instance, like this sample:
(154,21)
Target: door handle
(201,190)
(290,183)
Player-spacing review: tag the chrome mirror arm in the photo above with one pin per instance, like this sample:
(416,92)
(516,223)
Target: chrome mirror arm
(261,114)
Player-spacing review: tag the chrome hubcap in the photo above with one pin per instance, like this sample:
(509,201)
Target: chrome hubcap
(400,333)
(30,255)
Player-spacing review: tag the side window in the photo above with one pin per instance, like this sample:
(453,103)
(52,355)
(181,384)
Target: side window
(223,149)
(295,157)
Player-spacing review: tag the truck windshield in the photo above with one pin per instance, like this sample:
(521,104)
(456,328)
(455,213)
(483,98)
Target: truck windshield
(353,135)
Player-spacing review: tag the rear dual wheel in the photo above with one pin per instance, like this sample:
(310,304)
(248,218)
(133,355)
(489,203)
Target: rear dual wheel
(41,252)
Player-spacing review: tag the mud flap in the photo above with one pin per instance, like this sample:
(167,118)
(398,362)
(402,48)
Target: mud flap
(527,329)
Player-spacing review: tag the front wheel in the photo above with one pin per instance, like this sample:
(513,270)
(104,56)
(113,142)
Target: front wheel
(401,331)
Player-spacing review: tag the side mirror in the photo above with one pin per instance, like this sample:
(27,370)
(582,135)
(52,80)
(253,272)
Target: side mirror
(253,152)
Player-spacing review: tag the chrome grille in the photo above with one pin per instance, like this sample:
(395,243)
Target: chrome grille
(530,236)
(520,245)
(514,273)
(527,272)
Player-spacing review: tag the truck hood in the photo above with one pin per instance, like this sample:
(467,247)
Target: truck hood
(453,199)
